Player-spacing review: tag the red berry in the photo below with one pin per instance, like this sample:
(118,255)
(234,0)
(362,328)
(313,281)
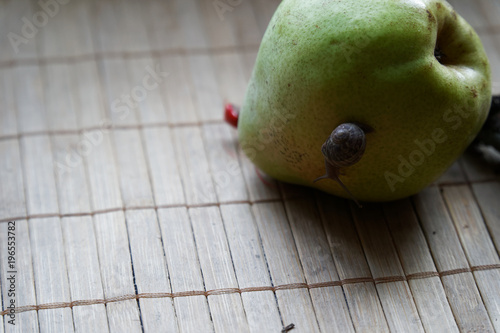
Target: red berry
(231,114)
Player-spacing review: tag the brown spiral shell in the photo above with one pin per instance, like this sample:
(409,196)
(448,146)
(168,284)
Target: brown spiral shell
(345,146)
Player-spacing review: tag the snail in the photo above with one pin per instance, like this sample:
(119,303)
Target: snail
(344,147)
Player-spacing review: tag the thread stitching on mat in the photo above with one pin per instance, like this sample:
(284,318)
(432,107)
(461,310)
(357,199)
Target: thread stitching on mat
(118,209)
(155,207)
(127,54)
(110,127)
(221,291)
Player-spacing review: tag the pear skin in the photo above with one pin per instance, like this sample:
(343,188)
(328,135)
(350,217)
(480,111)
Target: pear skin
(412,70)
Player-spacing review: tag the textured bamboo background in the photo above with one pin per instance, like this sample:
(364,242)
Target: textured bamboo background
(148,217)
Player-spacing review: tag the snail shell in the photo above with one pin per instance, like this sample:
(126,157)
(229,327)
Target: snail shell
(345,146)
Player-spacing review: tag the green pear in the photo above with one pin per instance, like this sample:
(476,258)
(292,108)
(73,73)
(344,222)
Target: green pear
(411,74)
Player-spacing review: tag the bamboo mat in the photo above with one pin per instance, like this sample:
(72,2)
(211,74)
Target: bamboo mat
(135,210)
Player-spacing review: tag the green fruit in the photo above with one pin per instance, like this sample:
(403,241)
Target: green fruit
(412,71)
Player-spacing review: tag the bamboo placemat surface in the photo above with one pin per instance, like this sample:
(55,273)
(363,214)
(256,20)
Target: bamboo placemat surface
(135,210)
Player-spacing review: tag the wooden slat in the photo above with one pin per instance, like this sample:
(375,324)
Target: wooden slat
(190,152)
(106,28)
(8,121)
(469,225)
(116,271)
(329,303)
(162,25)
(236,26)
(24,44)
(88,97)
(224,165)
(150,271)
(25,280)
(134,36)
(465,301)
(119,103)
(50,273)
(487,197)
(31,114)
(216,23)
(78,232)
(438,227)
(461,290)
(230,76)
(231,25)
(415,257)
(72,185)
(185,273)
(264,10)
(38,166)
(477,244)
(163,166)
(13,205)
(77,17)
(50,37)
(103,178)
(243,25)
(58,97)
(396,298)
(147,76)
(190,21)
(362,298)
(11,180)
(284,266)
(250,268)
(177,92)
(209,103)
(134,179)
(8,51)
(84,273)
(173,25)
(217,269)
